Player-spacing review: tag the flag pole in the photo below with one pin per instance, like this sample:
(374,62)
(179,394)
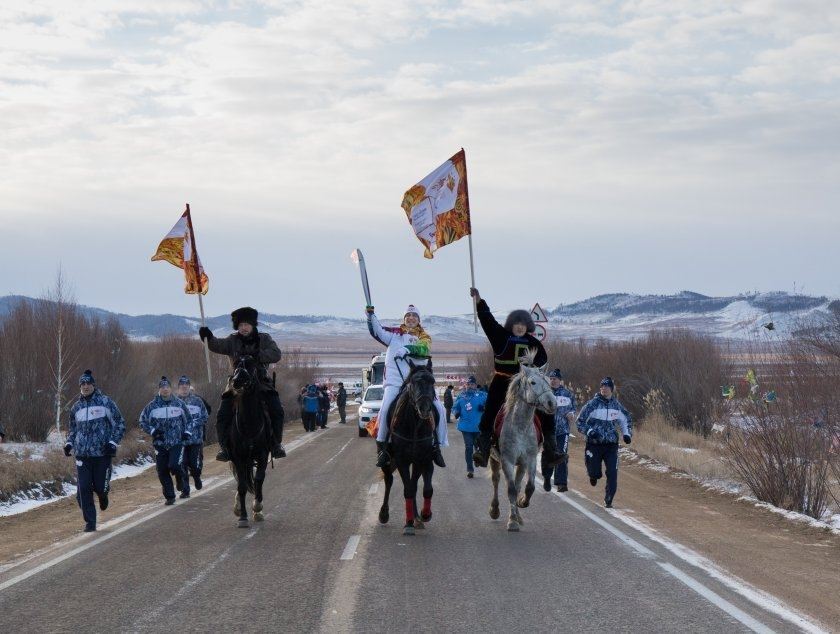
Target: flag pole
(200,299)
(469,236)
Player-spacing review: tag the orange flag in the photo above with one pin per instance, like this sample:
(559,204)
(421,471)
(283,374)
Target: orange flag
(178,248)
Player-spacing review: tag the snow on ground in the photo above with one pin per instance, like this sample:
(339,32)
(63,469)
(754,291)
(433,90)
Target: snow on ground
(39,494)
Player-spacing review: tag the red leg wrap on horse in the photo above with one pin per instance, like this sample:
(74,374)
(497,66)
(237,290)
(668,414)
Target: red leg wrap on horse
(409,510)
(427,506)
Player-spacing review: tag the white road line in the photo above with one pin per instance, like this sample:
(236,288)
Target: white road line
(350,548)
(296,444)
(339,451)
(374,489)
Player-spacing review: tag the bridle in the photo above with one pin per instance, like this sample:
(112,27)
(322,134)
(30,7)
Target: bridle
(523,392)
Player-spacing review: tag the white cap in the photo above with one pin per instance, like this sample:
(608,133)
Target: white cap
(411,309)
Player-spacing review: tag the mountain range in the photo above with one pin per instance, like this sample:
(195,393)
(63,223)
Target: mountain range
(612,316)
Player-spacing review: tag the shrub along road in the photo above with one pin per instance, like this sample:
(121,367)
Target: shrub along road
(321,562)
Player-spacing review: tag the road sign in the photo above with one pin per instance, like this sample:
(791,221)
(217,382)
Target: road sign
(538,314)
(540,332)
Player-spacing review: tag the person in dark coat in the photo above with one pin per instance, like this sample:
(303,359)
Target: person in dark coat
(248,341)
(341,402)
(448,402)
(323,406)
(509,343)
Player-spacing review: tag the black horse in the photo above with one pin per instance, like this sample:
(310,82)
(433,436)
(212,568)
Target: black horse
(248,438)
(413,428)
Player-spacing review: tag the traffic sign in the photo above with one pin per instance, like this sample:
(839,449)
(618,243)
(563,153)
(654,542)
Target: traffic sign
(540,332)
(538,314)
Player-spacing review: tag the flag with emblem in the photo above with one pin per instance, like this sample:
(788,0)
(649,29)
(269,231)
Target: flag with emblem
(178,248)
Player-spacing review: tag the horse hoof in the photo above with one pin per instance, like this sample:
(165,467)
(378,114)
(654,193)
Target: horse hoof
(522,501)
(512,526)
(259,516)
(519,520)
(243,524)
(257,506)
(418,524)
(494,512)
(426,516)
(383,517)
(408,529)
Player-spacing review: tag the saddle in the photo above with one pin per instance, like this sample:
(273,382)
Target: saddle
(500,421)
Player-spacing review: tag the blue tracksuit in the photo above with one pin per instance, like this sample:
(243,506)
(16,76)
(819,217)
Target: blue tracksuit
(194,446)
(94,422)
(597,421)
(310,405)
(565,406)
(468,408)
(168,422)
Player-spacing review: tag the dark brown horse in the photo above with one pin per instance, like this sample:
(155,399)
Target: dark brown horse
(413,428)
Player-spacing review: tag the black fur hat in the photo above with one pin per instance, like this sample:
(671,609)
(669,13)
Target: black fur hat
(520,317)
(247,314)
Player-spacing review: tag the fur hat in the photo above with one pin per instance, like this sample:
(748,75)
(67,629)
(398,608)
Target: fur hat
(520,317)
(245,314)
(87,377)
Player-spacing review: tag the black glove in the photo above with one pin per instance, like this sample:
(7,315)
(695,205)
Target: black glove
(626,439)
(205,333)
(67,449)
(157,434)
(480,408)
(185,436)
(109,449)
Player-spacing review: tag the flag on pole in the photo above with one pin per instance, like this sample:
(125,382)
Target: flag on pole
(438,207)
(178,248)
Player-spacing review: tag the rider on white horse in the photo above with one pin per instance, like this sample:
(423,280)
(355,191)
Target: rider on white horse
(403,342)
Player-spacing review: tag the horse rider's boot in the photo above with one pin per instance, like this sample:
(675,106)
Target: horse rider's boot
(223,455)
(551,455)
(437,456)
(383,458)
(482,450)
(278,451)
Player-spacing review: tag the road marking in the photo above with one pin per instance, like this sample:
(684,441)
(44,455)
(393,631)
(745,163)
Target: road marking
(296,444)
(339,451)
(350,548)
(374,489)
(714,598)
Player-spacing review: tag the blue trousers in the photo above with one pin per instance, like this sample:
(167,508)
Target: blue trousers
(169,462)
(594,455)
(193,463)
(93,474)
(469,443)
(560,471)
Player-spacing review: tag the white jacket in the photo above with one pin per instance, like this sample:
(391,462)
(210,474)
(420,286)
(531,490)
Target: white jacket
(396,366)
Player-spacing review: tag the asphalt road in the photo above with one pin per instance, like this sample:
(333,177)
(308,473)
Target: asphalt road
(320,562)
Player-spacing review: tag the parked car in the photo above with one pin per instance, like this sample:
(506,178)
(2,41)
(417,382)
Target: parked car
(371,402)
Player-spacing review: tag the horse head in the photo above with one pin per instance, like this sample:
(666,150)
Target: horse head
(245,375)
(420,384)
(531,385)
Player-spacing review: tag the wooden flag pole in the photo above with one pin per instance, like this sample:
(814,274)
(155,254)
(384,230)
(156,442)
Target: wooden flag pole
(472,263)
(200,299)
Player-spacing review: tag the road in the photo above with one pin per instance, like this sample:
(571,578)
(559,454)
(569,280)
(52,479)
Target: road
(321,563)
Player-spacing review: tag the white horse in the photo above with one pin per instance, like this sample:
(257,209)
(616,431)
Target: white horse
(517,451)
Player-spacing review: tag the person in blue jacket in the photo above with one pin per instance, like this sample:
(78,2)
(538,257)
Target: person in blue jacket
(194,446)
(309,407)
(96,428)
(467,410)
(563,416)
(597,421)
(166,419)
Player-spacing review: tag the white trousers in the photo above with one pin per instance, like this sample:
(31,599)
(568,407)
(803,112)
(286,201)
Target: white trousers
(390,395)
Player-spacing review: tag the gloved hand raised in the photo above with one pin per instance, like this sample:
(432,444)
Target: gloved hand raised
(67,449)
(205,333)
(627,439)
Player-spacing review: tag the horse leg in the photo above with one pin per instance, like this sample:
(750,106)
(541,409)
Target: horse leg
(242,492)
(531,485)
(384,514)
(259,479)
(428,492)
(494,475)
(507,468)
(522,499)
(408,495)
(416,473)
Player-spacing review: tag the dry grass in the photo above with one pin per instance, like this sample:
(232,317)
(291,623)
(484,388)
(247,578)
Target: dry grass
(661,440)
(48,474)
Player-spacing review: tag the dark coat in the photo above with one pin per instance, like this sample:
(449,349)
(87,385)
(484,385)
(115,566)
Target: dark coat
(447,398)
(341,397)
(259,345)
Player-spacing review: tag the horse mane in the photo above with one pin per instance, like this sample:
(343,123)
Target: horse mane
(526,359)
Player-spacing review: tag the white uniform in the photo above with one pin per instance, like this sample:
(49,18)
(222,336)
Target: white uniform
(396,369)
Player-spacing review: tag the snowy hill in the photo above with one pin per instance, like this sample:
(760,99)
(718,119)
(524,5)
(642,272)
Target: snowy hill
(613,316)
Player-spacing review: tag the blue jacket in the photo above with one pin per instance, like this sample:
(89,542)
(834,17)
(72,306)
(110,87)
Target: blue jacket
(565,405)
(94,421)
(198,416)
(311,404)
(468,408)
(598,418)
(171,417)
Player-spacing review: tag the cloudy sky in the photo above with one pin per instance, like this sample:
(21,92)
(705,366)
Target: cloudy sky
(643,146)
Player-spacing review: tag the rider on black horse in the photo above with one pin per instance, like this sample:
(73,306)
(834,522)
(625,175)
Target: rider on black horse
(247,341)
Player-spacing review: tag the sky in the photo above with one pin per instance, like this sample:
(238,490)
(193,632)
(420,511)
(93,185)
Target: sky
(643,146)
